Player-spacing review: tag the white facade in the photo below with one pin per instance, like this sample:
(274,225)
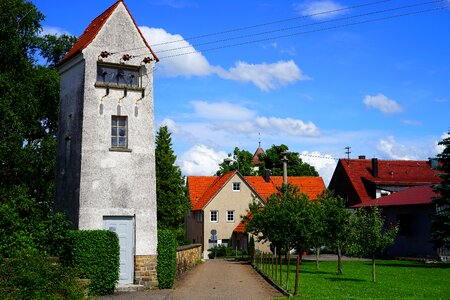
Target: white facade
(95,180)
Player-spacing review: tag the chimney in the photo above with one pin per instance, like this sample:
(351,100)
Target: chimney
(434,162)
(362,157)
(267,175)
(374,167)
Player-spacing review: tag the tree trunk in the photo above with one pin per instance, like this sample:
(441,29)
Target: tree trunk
(374,275)
(288,269)
(317,258)
(339,272)
(297,270)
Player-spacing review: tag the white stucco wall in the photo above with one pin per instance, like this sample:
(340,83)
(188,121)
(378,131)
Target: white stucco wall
(118,183)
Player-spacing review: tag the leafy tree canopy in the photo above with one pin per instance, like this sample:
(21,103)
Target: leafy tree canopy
(440,232)
(272,159)
(172,202)
(29,97)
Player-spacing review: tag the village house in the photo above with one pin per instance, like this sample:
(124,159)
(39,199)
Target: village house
(219,202)
(105,175)
(403,189)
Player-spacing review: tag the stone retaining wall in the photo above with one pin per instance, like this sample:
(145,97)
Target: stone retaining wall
(145,271)
(187,257)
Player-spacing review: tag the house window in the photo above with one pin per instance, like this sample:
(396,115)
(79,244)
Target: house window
(214,216)
(119,132)
(236,186)
(230,215)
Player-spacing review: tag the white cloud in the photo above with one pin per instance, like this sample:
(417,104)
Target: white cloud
(323,163)
(184,65)
(175,61)
(394,150)
(412,123)
(439,148)
(53,30)
(265,76)
(382,103)
(222,111)
(201,160)
(322,9)
(289,126)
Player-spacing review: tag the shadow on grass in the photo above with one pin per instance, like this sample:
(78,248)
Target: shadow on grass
(414,265)
(315,272)
(336,279)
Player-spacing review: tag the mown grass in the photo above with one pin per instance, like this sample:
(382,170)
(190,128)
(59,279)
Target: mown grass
(395,280)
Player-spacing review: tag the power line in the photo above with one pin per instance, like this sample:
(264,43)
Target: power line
(272,22)
(299,26)
(306,32)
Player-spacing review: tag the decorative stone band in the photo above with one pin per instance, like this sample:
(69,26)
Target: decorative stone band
(145,271)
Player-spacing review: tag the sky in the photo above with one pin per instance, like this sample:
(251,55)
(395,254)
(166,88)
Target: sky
(317,76)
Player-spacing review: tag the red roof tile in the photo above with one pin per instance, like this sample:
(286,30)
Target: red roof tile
(203,188)
(94,28)
(390,173)
(410,196)
(311,186)
(240,228)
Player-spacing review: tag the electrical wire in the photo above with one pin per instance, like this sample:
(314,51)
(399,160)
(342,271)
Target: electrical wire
(306,32)
(271,23)
(300,26)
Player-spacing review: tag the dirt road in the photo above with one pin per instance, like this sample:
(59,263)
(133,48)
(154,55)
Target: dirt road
(213,279)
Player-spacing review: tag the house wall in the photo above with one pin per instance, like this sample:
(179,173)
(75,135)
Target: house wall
(70,122)
(118,183)
(415,241)
(226,199)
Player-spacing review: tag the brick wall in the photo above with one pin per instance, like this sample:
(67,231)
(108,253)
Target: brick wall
(145,271)
(187,257)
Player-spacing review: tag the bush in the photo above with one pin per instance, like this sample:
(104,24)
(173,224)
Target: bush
(167,258)
(251,248)
(96,254)
(34,277)
(219,251)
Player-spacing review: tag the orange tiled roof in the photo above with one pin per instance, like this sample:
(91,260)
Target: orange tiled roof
(310,185)
(203,188)
(94,28)
(390,173)
(240,228)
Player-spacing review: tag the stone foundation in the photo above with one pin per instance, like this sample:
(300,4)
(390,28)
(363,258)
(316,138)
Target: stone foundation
(145,271)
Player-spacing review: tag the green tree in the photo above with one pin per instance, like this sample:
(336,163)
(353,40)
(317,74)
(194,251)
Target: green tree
(318,229)
(283,221)
(272,160)
(172,202)
(240,160)
(440,231)
(338,225)
(53,47)
(372,235)
(29,97)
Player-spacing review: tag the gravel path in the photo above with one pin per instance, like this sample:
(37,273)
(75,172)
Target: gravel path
(213,279)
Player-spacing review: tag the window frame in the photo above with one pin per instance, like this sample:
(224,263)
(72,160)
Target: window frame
(236,187)
(117,135)
(211,216)
(228,216)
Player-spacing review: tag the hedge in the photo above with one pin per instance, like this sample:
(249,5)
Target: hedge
(96,254)
(167,258)
(35,277)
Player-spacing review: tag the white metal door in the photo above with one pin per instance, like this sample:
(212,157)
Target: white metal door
(124,227)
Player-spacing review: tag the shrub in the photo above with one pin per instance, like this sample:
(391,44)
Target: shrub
(219,251)
(251,248)
(34,277)
(167,258)
(96,254)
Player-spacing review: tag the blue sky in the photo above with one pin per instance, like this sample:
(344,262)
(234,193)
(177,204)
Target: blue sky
(382,88)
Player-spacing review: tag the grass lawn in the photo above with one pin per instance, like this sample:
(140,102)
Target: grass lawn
(395,280)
